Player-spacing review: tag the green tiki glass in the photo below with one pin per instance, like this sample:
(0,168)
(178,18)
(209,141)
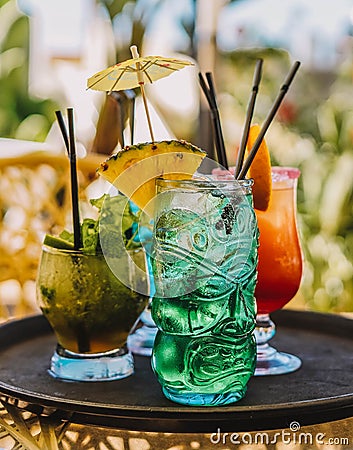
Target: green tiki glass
(91,312)
(204,261)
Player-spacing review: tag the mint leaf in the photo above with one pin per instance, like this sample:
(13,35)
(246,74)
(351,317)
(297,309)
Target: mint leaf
(117,212)
(89,236)
(67,236)
(116,225)
(98,202)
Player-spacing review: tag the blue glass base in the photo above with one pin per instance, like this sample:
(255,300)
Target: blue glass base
(271,362)
(192,399)
(107,366)
(141,341)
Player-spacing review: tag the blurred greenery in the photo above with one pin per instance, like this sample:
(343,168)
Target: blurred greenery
(21,115)
(136,15)
(327,202)
(313,131)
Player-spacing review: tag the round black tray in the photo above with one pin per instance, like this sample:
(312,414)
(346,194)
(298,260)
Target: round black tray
(320,391)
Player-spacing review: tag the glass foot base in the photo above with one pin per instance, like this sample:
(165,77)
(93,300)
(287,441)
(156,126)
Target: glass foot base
(276,363)
(99,367)
(141,341)
(203,399)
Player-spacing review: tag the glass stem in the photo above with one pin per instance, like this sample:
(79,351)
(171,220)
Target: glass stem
(264,331)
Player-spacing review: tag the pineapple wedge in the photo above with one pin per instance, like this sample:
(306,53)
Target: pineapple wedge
(133,170)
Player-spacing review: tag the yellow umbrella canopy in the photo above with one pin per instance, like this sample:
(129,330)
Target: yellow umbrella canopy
(124,75)
(134,73)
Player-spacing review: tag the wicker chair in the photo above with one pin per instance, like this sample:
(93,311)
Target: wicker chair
(34,200)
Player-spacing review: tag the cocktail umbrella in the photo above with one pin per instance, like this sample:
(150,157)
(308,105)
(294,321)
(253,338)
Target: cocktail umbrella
(134,73)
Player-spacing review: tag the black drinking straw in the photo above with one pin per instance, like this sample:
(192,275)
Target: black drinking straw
(268,120)
(63,130)
(70,146)
(71,151)
(74,183)
(83,342)
(249,114)
(210,94)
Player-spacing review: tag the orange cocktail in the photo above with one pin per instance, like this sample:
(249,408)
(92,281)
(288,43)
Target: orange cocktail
(280,259)
(280,268)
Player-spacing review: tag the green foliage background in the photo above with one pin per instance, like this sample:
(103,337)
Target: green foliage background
(313,131)
(21,116)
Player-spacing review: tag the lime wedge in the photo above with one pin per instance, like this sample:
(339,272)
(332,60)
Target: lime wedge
(57,242)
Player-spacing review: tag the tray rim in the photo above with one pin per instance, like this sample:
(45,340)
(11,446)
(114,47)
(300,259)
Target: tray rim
(196,419)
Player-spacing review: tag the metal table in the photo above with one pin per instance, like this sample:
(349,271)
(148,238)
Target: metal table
(321,392)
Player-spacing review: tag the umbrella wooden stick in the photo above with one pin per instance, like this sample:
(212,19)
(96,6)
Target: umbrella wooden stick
(132,120)
(118,98)
(122,119)
(136,55)
(131,96)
